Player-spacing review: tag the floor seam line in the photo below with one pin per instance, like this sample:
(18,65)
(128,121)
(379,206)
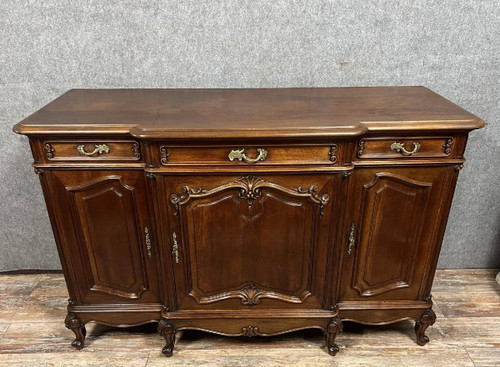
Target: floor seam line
(468,355)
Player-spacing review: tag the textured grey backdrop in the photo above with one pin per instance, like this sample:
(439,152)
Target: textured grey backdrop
(50,46)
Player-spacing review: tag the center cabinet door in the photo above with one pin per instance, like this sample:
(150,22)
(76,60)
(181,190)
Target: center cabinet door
(248,240)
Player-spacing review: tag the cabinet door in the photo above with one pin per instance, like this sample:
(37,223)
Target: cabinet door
(105,235)
(392,230)
(249,241)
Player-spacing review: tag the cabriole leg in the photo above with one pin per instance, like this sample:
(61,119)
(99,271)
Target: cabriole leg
(76,325)
(427,319)
(333,329)
(166,329)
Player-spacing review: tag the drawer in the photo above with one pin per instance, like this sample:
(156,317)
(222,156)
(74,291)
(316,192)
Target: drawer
(248,155)
(92,150)
(405,147)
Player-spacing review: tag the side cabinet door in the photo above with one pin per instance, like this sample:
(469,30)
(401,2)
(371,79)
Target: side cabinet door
(104,228)
(249,241)
(394,222)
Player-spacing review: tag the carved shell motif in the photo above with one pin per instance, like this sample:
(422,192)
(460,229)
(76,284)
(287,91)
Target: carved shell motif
(251,295)
(250,189)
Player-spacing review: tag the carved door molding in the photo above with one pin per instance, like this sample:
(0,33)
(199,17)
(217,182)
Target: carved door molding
(250,189)
(101,221)
(390,223)
(107,208)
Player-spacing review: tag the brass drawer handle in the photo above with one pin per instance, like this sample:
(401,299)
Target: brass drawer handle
(400,147)
(99,149)
(240,155)
(350,240)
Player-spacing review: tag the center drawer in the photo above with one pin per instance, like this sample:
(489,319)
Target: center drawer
(249,155)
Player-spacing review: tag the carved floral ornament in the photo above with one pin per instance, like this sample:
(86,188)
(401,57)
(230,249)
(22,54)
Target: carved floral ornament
(249,189)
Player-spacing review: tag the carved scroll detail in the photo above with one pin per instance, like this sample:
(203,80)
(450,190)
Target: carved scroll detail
(38,171)
(361,148)
(250,295)
(333,153)
(312,191)
(250,331)
(333,329)
(49,151)
(250,190)
(74,323)
(448,145)
(427,319)
(166,329)
(185,196)
(136,150)
(164,155)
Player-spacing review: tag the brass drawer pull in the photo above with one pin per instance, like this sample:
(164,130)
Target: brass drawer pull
(99,149)
(175,247)
(239,154)
(350,241)
(400,147)
(148,241)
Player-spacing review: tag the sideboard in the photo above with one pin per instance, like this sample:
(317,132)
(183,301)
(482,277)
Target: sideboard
(249,212)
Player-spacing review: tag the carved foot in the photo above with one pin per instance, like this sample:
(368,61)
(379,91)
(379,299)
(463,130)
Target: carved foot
(333,329)
(427,319)
(76,325)
(166,329)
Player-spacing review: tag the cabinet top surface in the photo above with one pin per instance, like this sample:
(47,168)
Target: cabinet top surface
(247,113)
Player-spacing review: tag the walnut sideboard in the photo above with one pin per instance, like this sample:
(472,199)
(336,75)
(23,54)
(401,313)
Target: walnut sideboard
(249,211)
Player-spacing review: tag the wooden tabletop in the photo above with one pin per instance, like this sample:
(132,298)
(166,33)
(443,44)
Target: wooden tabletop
(248,113)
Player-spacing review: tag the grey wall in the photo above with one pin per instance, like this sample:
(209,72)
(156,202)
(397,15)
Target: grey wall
(50,46)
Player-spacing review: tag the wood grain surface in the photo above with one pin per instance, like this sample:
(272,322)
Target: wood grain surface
(466,333)
(284,112)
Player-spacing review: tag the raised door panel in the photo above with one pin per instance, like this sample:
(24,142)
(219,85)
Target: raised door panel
(106,240)
(391,221)
(393,230)
(249,241)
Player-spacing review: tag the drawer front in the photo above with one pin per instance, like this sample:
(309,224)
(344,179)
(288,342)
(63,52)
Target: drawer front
(92,150)
(248,155)
(405,147)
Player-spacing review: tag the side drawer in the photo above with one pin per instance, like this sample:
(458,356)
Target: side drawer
(405,147)
(92,150)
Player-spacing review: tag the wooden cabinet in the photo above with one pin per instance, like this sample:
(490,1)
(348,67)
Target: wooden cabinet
(249,212)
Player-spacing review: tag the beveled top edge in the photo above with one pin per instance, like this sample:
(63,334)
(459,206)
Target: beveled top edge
(247,113)
(348,131)
(70,129)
